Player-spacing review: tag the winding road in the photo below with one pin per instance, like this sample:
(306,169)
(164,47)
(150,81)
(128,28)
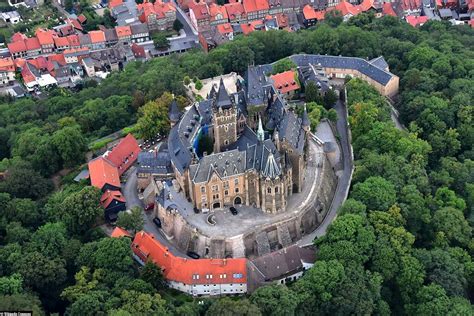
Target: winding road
(344,181)
(129,191)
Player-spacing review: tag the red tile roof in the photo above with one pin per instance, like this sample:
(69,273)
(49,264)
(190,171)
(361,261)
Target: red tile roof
(82,18)
(282,20)
(123,31)
(119,232)
(115,3)
(189,271)
(285,81)
(309,13)
(416,20)
(59,58)
(159,9)
(124,154)
(225,28)
(73,40)
(103,172)
(7,64)
(138,51)
(217,12)
(387,9)
(366,5)
(32,43)
(61,42)
(27,75)
(234,10)
(346,8)
(255,5)
(45,37)
(97,37)
(17,47)
(75,23)
(247,28)
(200,10)
(109,196)
(18,37)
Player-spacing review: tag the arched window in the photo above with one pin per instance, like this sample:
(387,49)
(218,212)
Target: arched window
(269,190)
(276,189)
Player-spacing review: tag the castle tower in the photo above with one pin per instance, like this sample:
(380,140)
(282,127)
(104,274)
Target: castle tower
(224,119)
(173,113)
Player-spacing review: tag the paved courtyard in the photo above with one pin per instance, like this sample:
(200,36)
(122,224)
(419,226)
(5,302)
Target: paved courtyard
(248,218)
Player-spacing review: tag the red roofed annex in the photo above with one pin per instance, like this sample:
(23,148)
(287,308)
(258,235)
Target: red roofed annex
(195,277)
(286,82)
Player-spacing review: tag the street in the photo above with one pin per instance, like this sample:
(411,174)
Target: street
(130,193)
(344,181)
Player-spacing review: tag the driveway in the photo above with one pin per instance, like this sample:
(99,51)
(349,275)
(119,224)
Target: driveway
(344,182)
(129,191)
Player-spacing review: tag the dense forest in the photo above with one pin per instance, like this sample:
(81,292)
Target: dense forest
(402,243)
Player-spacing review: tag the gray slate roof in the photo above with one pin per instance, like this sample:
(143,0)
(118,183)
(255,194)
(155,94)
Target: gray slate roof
(181,135)
(224,164)
(173,112)
(379,75)
(257,85)
(223,99)
(290,129)
(157,163)
(284,262)
(139,28)
(379,62)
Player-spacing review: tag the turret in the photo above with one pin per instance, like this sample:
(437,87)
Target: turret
(260,132)
(173,113)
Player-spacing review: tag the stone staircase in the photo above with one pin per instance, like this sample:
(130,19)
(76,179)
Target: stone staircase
(217,249)
(238,248)
(263,244)
(284,237)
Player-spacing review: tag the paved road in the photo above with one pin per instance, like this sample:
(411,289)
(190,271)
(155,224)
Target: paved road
(344,181)
(130,193)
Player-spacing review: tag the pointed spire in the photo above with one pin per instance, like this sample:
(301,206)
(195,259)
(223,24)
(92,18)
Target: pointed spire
(271,170)
(173,111)
(223,99)
(260,132)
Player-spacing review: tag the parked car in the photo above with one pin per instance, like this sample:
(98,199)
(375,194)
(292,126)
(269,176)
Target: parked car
(157,222)
(193,255)
(149,207)
(233,210)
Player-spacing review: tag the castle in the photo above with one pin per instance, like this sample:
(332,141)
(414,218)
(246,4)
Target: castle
(257,167)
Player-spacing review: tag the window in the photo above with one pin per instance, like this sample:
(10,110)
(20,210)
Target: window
(269,190)
(215,188)
(238,276)
(236,190)
(226,128)
(203,189)
(276,189)
(195,276)
(226,192)
(226,185)
(226,142)
(236,181)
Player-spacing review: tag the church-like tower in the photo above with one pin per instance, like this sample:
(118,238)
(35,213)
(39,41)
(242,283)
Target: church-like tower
(224,119)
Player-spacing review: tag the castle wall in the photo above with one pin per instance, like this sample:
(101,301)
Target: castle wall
(263,239)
